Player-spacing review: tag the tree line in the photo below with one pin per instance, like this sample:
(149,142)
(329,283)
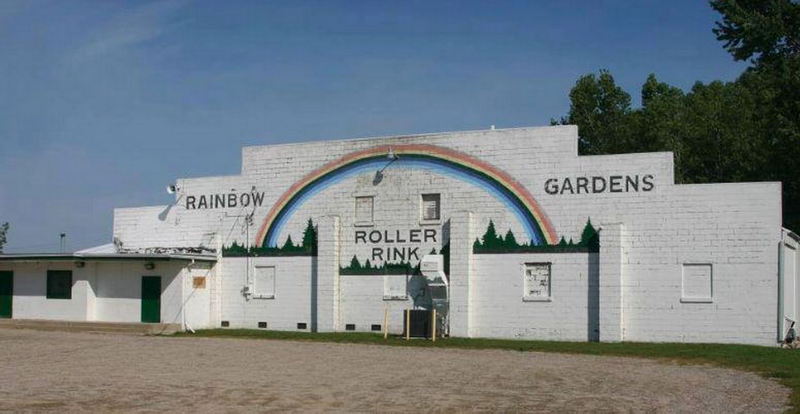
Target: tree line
(744,130)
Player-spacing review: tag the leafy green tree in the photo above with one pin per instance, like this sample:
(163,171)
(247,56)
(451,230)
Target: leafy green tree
(3,232)
(762,30)
(602,111)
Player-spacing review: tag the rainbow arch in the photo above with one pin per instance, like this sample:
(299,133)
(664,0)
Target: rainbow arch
(439,159)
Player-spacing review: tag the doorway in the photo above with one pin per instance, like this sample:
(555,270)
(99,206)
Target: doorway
(151,299)
(6,293)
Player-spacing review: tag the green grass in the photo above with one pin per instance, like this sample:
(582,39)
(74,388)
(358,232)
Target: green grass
(770,362)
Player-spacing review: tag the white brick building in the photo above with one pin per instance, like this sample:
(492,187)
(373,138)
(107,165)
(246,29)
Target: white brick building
(678,263)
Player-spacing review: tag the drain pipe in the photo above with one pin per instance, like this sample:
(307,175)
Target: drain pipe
(780,286)
(185,325)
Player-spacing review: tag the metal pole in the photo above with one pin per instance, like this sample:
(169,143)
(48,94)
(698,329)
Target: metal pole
(408,324)
(385,321)
(433,334)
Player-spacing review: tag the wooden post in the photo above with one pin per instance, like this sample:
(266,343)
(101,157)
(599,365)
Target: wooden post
(385,321)
(433,329)
(408,324)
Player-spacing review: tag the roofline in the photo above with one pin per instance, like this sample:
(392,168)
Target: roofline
(27,257)
(409,136)
(792,234)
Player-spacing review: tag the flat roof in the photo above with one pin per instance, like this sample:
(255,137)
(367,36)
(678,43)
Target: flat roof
(29,257)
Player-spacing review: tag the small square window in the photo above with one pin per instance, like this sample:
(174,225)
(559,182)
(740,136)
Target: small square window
(302,325)
(262,325)
(364,209)
(59,284)
(376,327)
(431,207)
(199,282)
(225,324)
(537,281)
(264,282)
(395,287)
(350,327)
(696,282)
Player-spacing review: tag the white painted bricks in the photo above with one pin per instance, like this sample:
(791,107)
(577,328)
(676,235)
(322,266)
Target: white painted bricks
(327,277)
(610,283)
(462,235)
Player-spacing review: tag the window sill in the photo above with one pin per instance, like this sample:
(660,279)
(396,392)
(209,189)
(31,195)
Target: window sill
(697,300)
(364,224)
(536,299)
(430,222)
(263,296)
(396,298)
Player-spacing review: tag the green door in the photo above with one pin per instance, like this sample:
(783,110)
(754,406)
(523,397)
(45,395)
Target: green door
(151,299)
(6,293)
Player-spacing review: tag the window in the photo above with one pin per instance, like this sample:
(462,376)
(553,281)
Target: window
(59,284)
(431,207)
(696,281)
(364,210)
(199,282)
(394,287)
(264,282)
(537,281)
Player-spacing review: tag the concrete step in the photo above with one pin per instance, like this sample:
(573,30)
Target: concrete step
(109,327)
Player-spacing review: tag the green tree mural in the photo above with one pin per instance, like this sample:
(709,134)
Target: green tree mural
(307,248)
(590,242)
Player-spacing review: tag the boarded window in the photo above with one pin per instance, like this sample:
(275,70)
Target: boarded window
(431,207)
(394,287)
(59,284)
(696,282)
(199,282)
(264,282)
(364,209)
(537,281)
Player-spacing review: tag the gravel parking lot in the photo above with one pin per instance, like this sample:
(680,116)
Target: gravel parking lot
(58,371)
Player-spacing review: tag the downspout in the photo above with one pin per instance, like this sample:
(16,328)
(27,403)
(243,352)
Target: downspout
(780,287)
(185,325)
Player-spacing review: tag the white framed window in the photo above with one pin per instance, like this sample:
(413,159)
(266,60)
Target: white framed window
(264,282)
(696,283)
(536,282)
(364,210)
(395,287)
(431,207)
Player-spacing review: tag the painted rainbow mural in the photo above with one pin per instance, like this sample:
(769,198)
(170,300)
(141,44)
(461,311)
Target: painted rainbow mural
(422,156)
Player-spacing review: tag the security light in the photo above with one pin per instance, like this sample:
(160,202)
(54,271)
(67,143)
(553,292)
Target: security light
(392,157)
(172,188)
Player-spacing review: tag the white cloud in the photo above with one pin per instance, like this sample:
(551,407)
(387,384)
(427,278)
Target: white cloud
(130,28)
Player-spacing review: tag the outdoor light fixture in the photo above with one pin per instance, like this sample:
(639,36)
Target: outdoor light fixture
(392,157)
(172,189)
(149,265)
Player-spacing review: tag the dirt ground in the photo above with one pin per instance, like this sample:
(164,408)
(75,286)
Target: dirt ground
(57,371)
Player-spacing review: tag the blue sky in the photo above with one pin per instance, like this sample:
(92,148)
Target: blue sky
(104,103)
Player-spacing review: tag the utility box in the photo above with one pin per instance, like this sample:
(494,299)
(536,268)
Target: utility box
(420,323)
